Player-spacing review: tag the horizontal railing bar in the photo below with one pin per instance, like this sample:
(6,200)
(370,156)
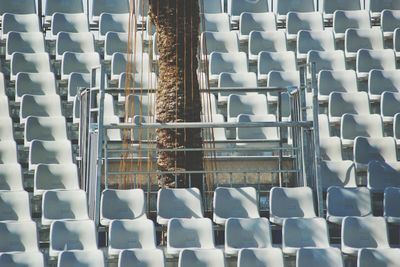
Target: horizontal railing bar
(201,149)
(196,125)
(135,172)
(208,157)
(205,90)
(206,142)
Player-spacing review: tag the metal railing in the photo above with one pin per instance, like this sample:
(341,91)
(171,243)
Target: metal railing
(291,162)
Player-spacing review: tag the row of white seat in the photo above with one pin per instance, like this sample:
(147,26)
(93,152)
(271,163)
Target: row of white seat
(284,203)
(377,66)
(295,21)
(351,126)
(78,23)
(182,233)
(219,62)
(307,40)
(75,23)
(358,103)
(334,172)
(46,177)
(34,42)
(365,150)
(380,175)
(50,7)
(40,152)
(234,7)
(267,257)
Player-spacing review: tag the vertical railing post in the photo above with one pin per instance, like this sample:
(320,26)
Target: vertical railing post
(294,131)
(279,116)
(100,123)
(303,116)
(317,154)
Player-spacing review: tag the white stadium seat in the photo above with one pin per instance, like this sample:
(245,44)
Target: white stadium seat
(344,81)
(72,235)
(6,129)
(338,173)
(53,6)
(189,233)
(11,177)
(389,106)
(237,7)
(202,258)
(118,42)
(18,7)
(291,203)
(234,202)
(40,106)
(14,206)
(363,232)
(36,63)
(22,259)
(24,42)
(78,62)
(368,149)
(178,203)
(62,22)
(113,23)
(352,103)
(131,234)
(227,62)
(240,80)
(275,61)
(250,21)
(390,207)
(8,152)
(267,257)
(19,237)
(45,128)
(342,202)
(269,41)
(328,7)
(247,233)
(356,19)
(389,22)
(314,40)
(128,204)
(356,39)
(377,6)
(55,177)
(223,42)
(34,84)
(381,175)
(368,60)
(19,23)
(308,21)
(59,205)
(316,257)
(380,81)
(246,104)
(77,42)
(300,233)
(385,257)
(327,60)
(360,125)
(145,257)
(282,7)
(218,22)
(87,258)
(103,6)
(49,152)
